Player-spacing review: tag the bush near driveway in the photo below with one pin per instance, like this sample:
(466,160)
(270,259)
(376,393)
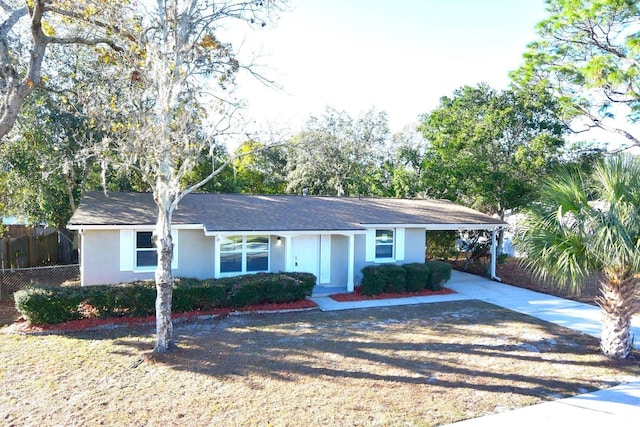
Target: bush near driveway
(440,273)
(413,277)
(418,276)
(46,305)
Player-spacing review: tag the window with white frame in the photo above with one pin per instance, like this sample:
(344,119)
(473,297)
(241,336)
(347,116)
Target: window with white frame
(146,252)
(384,244)
(138,251)
(244,254)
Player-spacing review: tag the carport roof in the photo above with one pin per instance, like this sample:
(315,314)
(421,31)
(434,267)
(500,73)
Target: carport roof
(250,213)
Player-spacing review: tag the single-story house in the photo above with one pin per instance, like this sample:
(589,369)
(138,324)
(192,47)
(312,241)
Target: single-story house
(219,235)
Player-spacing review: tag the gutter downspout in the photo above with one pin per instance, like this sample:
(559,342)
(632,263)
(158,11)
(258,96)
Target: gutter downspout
(494,251)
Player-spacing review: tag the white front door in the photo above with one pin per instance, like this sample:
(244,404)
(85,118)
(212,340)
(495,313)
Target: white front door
(306,254)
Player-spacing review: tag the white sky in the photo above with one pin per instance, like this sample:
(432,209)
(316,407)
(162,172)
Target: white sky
(399,56)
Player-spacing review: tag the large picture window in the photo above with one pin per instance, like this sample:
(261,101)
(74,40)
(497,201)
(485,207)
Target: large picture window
(244,254)
(146,253)
(384,244)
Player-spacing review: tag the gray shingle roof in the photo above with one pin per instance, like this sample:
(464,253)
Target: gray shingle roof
(236,212)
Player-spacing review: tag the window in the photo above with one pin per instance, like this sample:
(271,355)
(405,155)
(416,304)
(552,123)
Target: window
(146,253)
(138,251)
(384,244)
(257,253)
(231,254)
(244,254)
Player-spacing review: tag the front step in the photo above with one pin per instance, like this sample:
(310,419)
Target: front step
(325,291)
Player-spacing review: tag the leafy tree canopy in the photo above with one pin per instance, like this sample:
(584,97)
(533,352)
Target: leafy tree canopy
(29,29)
(334,153)
(589,53)
(488,149)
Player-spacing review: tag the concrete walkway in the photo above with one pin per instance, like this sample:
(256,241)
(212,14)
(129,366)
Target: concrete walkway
(621,403)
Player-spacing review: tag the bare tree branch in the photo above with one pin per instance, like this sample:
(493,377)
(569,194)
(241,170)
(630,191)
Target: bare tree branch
(86,42)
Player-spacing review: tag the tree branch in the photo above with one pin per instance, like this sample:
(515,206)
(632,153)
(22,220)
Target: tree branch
(84,41)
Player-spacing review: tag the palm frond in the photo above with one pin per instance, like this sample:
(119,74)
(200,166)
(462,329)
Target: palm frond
(585,225)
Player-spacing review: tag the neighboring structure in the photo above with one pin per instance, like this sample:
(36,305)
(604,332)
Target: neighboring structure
(218,235)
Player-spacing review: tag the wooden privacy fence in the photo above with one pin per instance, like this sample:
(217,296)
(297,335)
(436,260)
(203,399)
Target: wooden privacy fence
(32,251)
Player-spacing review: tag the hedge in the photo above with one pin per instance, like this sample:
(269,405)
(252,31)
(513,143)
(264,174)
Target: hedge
(413,277)
(40,305)
(192,294)
(271,288)
(418,276)
(372,283)
(440,273)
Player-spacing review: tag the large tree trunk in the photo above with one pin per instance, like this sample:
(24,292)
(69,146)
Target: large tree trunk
(164,279)
(618,303)
(17,89)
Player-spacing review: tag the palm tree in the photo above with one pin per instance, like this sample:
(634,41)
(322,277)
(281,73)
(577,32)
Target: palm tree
(590,224)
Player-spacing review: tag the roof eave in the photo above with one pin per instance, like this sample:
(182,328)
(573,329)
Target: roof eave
(442,227)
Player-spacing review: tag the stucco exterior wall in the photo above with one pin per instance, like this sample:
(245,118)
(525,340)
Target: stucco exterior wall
(100,259)
(277,259)
(196,255)
(414,247)
(414,241)
(359,252)
(100,263)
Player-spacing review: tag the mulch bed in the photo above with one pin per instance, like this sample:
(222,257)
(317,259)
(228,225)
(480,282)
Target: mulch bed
(8,312)
(23,326)
(510,272)
(358,296)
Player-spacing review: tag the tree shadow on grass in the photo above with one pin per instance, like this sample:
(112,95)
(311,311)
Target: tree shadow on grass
(467,344)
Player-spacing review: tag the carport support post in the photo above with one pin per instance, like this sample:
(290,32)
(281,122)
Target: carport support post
(494,252)
(351,263)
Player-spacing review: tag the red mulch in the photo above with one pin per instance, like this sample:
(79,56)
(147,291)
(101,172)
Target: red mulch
(358,296)
(23,326)
(8,312)
(295,305)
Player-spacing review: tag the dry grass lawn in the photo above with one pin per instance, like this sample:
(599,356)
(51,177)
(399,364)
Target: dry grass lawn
(413,365)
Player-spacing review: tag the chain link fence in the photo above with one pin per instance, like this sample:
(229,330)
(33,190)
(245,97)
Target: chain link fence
(12,280)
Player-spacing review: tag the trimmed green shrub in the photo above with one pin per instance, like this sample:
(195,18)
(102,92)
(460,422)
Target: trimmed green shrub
(394,277)
(130,299)
(247,291)
(372,282)
(440,273)
(413,277)
(40,306)
(383,278)
(61,304)
(418,276)
(271,288)
(304,285)
(193,294)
